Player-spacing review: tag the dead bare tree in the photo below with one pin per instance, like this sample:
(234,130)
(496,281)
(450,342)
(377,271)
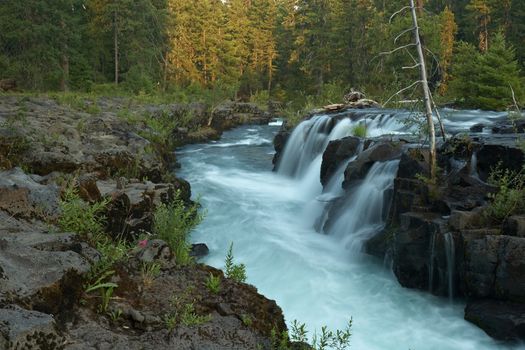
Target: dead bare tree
(419,62)
(427,99)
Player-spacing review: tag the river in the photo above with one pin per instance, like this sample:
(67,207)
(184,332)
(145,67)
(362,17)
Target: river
(316,278)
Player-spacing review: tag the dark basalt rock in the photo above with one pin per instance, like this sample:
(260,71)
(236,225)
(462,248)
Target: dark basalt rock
(380,152)
(199,250)
(501,320)
(336,152)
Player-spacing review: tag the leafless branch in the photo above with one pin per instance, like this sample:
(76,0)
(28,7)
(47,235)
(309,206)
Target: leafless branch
(402,33)
(402,90)
(514,99)
(412,67)
(397,49)
(398,12)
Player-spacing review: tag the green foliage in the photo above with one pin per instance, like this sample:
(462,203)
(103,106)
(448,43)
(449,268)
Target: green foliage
(236,272)
(173,223)
(213,283)
(79,216)
(189,318)
(326,339)
(149,271)
(359,130)
(184,314)
(510,196)
(484,80)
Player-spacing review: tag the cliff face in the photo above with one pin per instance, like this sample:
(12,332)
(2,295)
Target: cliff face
(111,150)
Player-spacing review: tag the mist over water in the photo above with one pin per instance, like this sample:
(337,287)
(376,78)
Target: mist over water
(319,279)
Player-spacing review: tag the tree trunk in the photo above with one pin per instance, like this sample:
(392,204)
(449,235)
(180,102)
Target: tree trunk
(426,94)
(115,43)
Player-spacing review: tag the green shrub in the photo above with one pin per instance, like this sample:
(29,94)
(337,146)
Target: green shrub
(173,223)
(213,283)
(79,216)
(236,272)
(359,130)
(510,197)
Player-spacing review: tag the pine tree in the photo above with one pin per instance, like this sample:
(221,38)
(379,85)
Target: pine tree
(484,80)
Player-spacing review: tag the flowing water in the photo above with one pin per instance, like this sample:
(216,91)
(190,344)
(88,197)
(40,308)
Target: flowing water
(318,279)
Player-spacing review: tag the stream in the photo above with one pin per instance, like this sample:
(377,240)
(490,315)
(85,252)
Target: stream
(317,279)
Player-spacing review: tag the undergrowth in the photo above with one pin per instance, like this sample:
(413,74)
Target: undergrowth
(173,223)
(510,196)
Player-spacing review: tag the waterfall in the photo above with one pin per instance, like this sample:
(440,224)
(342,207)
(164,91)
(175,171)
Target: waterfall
(450,255)
(473,171)
(364,211)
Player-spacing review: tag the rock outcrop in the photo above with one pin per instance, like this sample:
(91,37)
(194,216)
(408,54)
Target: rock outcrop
(110,150)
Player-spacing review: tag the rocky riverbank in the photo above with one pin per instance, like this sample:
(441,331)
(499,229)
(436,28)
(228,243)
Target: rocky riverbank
(450,237)
(119,152)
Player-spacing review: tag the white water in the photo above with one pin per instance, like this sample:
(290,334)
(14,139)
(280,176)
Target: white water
(315,278)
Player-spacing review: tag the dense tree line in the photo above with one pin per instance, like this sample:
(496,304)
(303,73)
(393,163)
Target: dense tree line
(289,49)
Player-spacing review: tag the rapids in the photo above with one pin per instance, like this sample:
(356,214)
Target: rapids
(319,279)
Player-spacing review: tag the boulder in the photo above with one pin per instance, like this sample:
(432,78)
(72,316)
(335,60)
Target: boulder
(23,196)
(336,152)
(461,220)
(24,329)
(500,319)
(41,271)
(131,207)
(515,226)
(490,155)
(379,152)
(353,96)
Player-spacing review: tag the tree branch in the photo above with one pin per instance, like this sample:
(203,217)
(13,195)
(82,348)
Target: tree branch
(401,91)
(398,12)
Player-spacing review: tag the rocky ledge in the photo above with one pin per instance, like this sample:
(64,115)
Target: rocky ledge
(57,289)
(444,237)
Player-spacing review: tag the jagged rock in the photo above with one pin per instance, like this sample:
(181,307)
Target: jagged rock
(353,96)
(380,152)
(494,267)
(24,329)
(477,127)
(23,196)
(231,114)
(336,152)
(509,127)
(199,250)
(515,226)
(411,247)
(154,250)
(461,220)
(40,270)
(279,142)
(501,320)
(491,155)
(130,210)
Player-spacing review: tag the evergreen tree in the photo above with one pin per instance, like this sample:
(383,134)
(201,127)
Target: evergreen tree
(484,80)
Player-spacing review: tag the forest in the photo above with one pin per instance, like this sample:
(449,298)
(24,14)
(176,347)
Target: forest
(294,51)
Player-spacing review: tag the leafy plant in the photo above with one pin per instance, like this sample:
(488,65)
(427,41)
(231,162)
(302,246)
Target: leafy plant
(213,283)
(173,223)
(148,271)
(79,216)
(360,130)
(236,272)
(189,318)
(510,197)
